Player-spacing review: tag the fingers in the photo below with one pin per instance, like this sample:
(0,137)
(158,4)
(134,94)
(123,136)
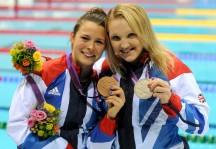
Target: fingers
(160,89)
(115,101)
(117,91)
(117,97)
(159,85)
(158,82)
(114,106)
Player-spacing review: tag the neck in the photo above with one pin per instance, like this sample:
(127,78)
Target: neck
(135,63)
(141,58)
(85,74)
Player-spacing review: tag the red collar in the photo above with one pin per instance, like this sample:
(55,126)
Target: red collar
(144,58)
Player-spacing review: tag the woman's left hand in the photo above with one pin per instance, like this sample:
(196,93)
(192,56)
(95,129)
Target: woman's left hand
(115,101)
(160,89)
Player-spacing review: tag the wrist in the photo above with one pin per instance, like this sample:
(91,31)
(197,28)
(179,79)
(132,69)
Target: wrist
(165,102)
(111,117)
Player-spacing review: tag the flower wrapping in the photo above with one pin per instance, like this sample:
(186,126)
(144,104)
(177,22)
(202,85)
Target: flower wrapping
(26,57)
(43,121)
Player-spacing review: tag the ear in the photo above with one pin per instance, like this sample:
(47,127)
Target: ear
(72,36)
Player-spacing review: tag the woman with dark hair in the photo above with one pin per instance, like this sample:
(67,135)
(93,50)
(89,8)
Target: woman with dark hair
(69,84)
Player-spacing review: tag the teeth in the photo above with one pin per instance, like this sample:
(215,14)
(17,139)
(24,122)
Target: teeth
(126,51)
(89,55)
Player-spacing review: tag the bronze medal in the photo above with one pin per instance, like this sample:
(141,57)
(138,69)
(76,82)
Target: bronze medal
(104,84)
(142,90)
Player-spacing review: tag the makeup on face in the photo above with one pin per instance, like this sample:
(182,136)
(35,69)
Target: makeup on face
(88,44)
(124,40)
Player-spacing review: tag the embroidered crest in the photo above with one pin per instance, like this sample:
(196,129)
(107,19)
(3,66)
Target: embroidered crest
(201,98)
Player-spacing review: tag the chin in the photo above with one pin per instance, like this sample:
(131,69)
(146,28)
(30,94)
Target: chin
(130,60)
(88,63)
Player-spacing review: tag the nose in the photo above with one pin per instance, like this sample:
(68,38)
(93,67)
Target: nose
(90,46)
(124,44)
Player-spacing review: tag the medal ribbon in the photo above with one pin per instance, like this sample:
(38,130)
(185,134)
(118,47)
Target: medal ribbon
(75,78)
(76,82)
(134,77)
(35,89)
(73,74)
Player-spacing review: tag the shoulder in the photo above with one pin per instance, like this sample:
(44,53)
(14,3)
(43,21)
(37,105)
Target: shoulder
(102,65)
(53,68)
(37,79)
(26,93)
(179,68)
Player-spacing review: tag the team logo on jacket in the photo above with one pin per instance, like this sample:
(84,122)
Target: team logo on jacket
(201,98)
(54,91)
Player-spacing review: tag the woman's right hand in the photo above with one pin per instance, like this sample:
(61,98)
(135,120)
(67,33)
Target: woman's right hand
(115,101)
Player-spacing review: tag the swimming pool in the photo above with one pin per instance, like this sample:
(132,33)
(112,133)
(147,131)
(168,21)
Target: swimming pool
(52,35)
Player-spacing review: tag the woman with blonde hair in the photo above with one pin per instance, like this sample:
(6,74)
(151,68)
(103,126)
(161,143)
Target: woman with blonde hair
(162,95)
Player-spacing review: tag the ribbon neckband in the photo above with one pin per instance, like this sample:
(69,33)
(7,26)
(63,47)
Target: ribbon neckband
(35,89)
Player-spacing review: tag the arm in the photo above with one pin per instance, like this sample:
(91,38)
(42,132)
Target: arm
(188,99)
(103,135)
(183,94)
(42,59)
(23,103)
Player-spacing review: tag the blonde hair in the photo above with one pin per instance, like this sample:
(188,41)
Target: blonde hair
(140,23)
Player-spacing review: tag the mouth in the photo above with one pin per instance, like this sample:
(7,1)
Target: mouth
(89,55)
(126,51)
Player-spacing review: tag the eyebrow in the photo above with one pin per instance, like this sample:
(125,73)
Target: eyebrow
(101,39)
(84,35)
(113,34)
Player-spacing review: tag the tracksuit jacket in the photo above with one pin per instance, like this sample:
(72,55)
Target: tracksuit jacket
(141,123)
(146,123)
(79,114)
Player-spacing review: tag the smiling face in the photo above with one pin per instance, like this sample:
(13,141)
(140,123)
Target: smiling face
(88,44)
(124,40)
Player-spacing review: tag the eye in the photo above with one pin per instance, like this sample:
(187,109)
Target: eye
(115,38)
(131,35)
(99,42)
(85,38)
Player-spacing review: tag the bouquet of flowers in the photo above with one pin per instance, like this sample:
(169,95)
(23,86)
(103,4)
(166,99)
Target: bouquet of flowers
(44,120)
(26,57)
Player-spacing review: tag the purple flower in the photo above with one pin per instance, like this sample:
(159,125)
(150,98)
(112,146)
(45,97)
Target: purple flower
(31,122)
(40,115)
(29,44)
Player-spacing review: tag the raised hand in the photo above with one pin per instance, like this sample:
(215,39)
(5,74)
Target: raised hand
(115,101)
(160,89)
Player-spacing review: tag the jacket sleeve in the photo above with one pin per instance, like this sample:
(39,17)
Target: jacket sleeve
(23,103)
(188,100)
(103,135)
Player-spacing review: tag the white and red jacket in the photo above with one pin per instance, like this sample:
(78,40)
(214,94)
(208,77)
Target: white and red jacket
(77,118)
(146,123)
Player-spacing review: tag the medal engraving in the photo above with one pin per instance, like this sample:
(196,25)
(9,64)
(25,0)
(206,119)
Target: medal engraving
(142,90)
